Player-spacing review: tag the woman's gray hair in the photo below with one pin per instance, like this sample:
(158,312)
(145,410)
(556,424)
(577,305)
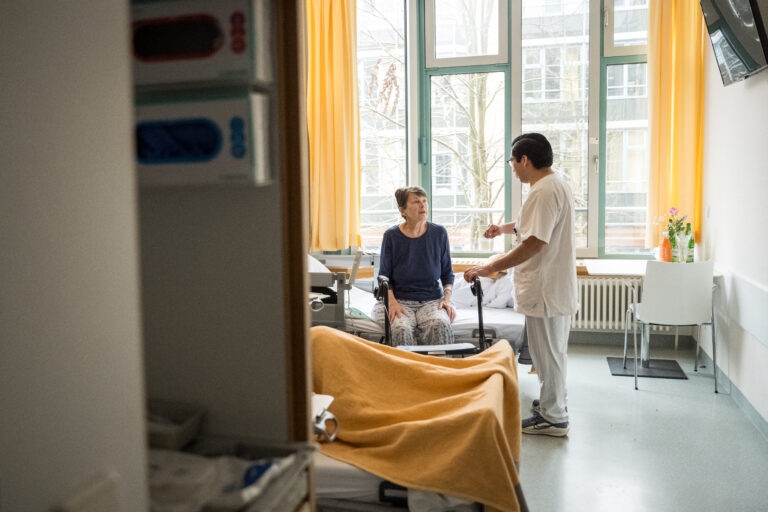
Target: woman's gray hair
(401,195)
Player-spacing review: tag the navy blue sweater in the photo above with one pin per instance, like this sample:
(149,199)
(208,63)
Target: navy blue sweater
(413,265)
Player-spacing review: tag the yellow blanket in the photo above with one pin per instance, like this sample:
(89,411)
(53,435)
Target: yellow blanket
(444,425)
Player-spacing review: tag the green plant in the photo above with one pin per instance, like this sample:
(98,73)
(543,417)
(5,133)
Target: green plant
(675,224)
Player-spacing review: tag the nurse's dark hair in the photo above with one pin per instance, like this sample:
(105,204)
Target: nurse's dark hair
(536,147)
(401,195)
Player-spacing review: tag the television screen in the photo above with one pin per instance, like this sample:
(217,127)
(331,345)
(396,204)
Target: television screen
(760,11)
(733,30)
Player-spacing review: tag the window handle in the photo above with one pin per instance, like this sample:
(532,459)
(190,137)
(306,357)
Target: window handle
(595,167)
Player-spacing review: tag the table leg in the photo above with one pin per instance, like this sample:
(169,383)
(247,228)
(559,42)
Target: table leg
(645,346)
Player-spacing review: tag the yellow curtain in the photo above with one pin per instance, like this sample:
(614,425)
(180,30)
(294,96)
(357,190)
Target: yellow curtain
(677,40)
(334,125)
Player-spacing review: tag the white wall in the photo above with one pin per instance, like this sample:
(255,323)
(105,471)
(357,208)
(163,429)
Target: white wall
(71,385)
(735,212)
(213,303)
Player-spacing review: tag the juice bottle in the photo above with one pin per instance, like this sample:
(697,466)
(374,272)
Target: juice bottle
(665,249)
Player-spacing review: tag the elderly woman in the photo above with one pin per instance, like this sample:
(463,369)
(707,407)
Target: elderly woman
(414,256)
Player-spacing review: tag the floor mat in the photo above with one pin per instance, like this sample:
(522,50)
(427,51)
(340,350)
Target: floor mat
(659,368)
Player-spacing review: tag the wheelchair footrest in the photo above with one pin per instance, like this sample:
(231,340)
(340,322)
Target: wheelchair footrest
(442,350)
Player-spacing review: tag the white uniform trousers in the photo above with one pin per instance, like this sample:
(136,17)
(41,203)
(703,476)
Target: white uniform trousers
(548,344)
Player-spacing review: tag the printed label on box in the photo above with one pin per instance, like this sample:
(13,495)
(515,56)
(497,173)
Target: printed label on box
(203,141)
(201,41)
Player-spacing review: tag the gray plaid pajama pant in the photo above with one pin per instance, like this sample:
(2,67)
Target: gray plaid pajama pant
(425,323)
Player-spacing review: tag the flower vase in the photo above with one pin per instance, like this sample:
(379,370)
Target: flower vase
(682,246)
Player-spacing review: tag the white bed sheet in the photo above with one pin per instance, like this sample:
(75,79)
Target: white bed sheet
(507,323)
(336,480)
(339,480)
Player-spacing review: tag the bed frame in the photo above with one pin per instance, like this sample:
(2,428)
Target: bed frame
(330,289)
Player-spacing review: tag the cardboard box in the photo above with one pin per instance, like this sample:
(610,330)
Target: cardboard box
(179,44)
(204,140)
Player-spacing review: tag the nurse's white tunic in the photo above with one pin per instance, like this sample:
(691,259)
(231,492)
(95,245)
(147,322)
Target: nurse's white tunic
(545,285)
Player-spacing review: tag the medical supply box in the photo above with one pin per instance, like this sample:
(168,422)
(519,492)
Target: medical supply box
(190,42)
(202,140)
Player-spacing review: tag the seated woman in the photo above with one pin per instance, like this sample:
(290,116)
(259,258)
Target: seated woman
(414,255)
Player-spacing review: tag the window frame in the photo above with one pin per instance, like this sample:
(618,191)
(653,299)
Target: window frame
(609,47)
(605,62)
(467,65)
(419,75)
(409,107)
(430,35)
(513,188)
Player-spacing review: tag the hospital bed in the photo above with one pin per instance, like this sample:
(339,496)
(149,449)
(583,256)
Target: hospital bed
(349,307)
(341,486)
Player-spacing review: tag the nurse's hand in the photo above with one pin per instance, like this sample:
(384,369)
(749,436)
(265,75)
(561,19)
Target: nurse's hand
(446,305)
(492,231)
(479,271)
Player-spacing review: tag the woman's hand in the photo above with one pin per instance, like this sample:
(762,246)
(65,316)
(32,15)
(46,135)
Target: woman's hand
(395,309)
(446,305)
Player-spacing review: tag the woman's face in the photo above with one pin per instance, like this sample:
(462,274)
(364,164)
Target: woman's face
(416,208)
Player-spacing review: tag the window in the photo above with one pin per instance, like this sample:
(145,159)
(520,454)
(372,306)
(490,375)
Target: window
(480,73)
(625,129)
(467,146)
(557,38)
(626,27)
(381,45)
(464,32)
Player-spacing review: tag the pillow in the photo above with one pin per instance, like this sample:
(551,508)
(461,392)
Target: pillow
(462,294)
(503,293)
(314,265)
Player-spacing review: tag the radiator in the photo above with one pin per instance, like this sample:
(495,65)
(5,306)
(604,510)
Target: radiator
(603,302)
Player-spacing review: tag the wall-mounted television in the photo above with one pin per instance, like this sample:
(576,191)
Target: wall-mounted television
(737,30)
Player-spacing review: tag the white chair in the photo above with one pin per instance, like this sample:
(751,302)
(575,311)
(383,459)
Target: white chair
(673,294)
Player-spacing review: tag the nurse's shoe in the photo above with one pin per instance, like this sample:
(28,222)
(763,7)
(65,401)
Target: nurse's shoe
(536,407)
(538,425)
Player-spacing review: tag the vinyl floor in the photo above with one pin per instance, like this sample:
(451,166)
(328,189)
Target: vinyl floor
(673,445)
